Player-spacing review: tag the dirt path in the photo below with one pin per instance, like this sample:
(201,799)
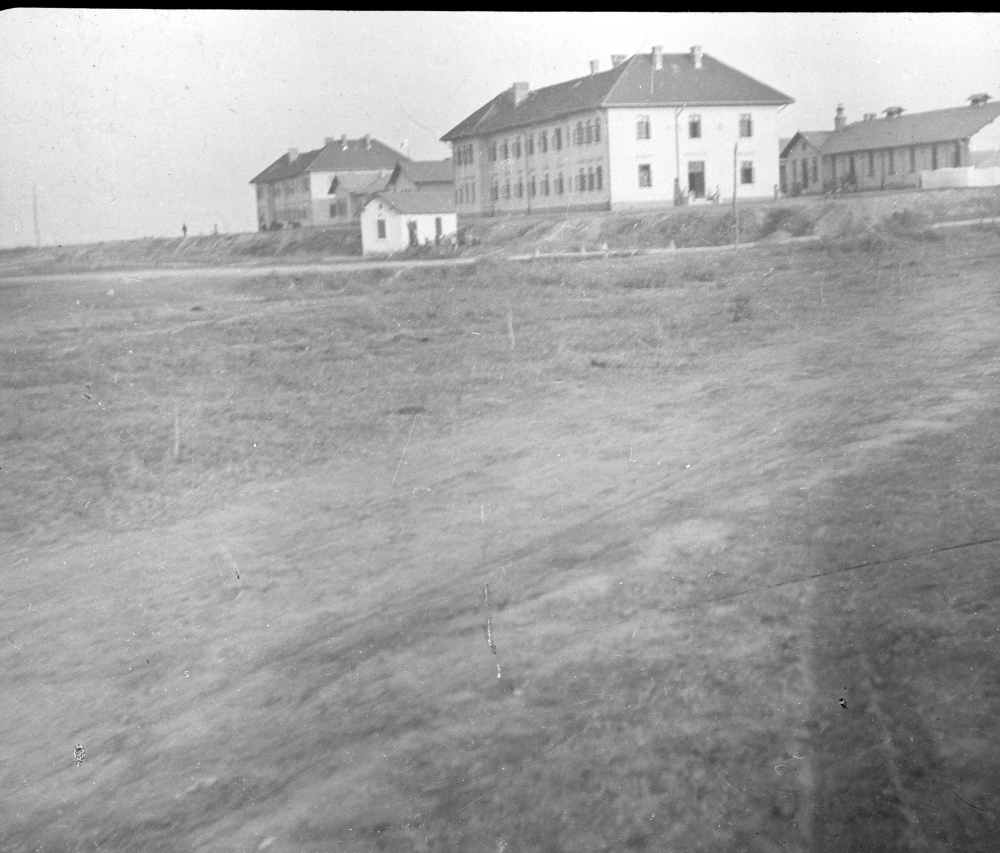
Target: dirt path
(229,272)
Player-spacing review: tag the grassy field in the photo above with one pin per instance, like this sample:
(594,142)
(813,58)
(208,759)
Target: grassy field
(575,557)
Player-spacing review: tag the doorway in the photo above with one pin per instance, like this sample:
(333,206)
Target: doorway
(696,178)
(411,227)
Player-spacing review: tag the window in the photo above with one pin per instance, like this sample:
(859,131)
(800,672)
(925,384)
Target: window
(557,138)
(934,159)
(506,189)
(892,162)
(381,229)
(956,162)
(495,191)
(600,179)
(913,159)
(517,147)
(581,181)
(815,170)
(597,130)
(519,192)
(333,211)
(472,191)
(645,175)
(694,127)
(504,151)
(529,145)
(746,125)
(470,156)
(642,128)
(588,132)
(305,183)
(871,164)
(543,142)
(559,184)
(545,185)
(578,138)
(493,151)
(590,178)
(746,172)
(531,187)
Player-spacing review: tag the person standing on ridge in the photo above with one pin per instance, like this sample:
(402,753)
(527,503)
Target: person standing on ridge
(184,230)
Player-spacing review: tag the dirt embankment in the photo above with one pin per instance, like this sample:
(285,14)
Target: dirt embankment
(303,244)
(704,225)
(708,225)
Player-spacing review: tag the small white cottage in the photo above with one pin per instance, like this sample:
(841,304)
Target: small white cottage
(394,221)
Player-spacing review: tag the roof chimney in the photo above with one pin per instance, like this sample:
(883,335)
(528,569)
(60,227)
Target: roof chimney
(978,100)
(518,92)
(595,64)
(658,57)
(343,142)
(366,140)
(696,55)
(328,140)
(893,112)
(617,59)
(840,120)
(293,155)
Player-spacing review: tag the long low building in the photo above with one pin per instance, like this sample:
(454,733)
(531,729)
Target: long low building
(898,151)
(656,129)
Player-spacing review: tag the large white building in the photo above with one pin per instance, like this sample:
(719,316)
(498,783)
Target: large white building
(656,129)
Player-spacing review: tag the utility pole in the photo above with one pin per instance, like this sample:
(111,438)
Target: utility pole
(736,220)
(34,205)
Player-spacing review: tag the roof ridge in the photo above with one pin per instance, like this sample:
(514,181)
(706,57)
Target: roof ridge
(621,74)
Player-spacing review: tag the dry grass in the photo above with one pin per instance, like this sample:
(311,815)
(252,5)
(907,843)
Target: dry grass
(281,636)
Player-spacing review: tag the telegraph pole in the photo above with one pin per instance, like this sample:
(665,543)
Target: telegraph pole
(34,205)
(736,220)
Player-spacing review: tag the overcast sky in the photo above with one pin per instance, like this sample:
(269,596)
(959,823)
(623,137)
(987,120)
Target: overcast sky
(131,123)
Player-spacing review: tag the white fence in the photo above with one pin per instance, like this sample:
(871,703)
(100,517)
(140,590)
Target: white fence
(966,177)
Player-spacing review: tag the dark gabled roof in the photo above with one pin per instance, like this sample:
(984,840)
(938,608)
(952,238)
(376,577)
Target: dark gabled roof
(359,184)
(426,171)
(815,138)
(914,129)
(281,168)
(351,155)
(680,83)
(634,82)
(425,201)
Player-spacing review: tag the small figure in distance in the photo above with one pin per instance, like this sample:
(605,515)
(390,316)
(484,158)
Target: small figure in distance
(184,230)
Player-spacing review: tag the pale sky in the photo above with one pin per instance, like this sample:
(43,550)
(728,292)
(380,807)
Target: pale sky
(130,123)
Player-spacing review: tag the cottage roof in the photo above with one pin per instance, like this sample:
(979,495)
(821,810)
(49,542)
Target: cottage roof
(815,138)
(425,201)
(359,184)
(425,171)
(634,83)
(913,129)
(350,155)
